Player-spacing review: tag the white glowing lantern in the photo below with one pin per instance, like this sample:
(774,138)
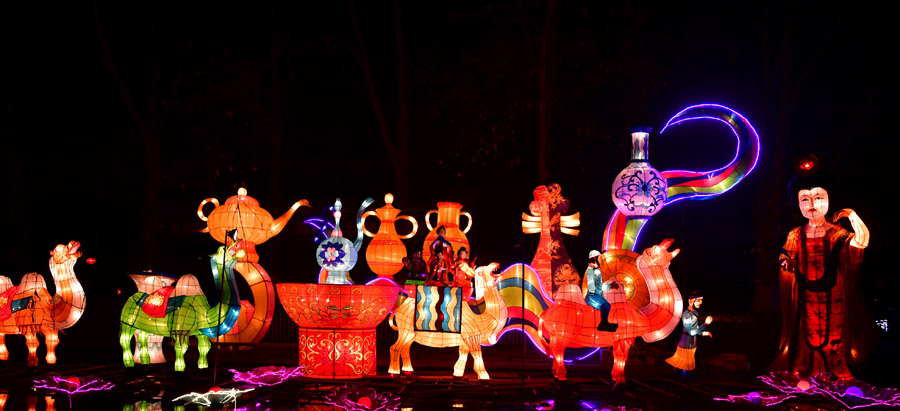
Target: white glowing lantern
(639,191)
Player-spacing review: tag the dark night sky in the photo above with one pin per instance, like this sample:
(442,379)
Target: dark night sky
(214,86)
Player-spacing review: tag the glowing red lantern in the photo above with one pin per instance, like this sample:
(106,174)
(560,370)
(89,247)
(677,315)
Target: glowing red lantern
(337,325)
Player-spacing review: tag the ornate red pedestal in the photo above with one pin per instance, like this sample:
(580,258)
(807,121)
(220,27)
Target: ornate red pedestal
(337,325)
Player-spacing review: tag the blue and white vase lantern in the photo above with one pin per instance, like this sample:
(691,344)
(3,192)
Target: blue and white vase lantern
(639,191)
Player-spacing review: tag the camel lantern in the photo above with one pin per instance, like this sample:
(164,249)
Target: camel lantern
(28,309)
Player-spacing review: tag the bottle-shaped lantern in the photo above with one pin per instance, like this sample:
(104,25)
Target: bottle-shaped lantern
(338,255)
(386,251)
(639,191)
(448,217)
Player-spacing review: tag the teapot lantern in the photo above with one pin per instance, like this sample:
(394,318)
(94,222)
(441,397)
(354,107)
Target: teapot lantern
(242,213)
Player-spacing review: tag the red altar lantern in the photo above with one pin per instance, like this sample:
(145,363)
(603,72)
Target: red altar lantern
(337,325)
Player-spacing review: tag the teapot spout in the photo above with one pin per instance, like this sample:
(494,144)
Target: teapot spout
(279,223)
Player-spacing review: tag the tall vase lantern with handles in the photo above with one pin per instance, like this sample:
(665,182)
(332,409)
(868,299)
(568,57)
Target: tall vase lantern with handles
(448,216)
(385,253)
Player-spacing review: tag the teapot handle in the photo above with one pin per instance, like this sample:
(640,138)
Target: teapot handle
(200,211)
(469,216)
(415,226)
(428,221)
(364,216)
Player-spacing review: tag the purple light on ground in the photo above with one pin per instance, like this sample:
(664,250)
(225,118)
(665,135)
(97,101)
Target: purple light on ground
(73,385)
(267,376)
(851,394)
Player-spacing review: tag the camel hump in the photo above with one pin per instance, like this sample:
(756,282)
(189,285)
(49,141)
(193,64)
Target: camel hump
(571,293)
(188,285)
(5,283)
(32,281)
(148,283)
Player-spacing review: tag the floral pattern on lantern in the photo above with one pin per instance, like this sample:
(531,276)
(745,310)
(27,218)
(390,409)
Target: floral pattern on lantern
(639,190)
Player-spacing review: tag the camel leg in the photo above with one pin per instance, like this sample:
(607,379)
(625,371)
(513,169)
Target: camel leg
(32,342)
(203,345)
(4,354)
(460,367)
(475,348)
(620,356)
(181,346)
(400,349)
(125,341)
(557,349)
(51,339)
(145,353)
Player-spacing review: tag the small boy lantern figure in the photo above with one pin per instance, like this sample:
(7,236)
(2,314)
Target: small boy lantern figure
(690,320)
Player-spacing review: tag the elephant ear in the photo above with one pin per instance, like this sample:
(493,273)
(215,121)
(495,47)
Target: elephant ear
(188,285)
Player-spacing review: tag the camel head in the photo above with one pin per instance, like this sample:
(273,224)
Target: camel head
(489,274)
(659,255)
(62,253)
(235,251)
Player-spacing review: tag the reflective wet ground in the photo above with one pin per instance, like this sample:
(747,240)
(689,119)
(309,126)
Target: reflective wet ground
(518,382)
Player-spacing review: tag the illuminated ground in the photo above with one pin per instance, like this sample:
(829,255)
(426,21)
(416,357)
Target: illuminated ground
(517,383)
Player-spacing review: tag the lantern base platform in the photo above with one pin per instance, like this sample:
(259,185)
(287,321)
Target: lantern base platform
(337,353)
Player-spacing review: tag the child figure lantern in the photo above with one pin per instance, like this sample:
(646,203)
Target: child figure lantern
(386,251)
(254,226)
(336,318)
(687,346)
(825,325)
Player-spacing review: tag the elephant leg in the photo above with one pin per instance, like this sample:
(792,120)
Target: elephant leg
(620,356)
(51,339)
(125,342)
(181,346)
(460,367)
(31,341)
(203,345)
(4,354)
(145,353)
(475,347)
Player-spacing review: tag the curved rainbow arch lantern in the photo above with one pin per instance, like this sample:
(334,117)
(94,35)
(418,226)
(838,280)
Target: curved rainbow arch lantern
(649,305)
(254,226)
(625,225)
(337,319)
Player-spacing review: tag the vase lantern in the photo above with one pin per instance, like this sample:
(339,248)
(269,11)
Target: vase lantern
(448,216)
(386,251)
(639,191)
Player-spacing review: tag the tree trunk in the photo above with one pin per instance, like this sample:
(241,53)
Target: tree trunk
(546,78)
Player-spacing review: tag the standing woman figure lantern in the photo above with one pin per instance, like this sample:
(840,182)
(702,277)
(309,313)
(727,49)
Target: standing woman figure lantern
(824,323)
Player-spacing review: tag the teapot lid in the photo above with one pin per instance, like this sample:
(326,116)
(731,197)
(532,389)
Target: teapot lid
(242,198)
